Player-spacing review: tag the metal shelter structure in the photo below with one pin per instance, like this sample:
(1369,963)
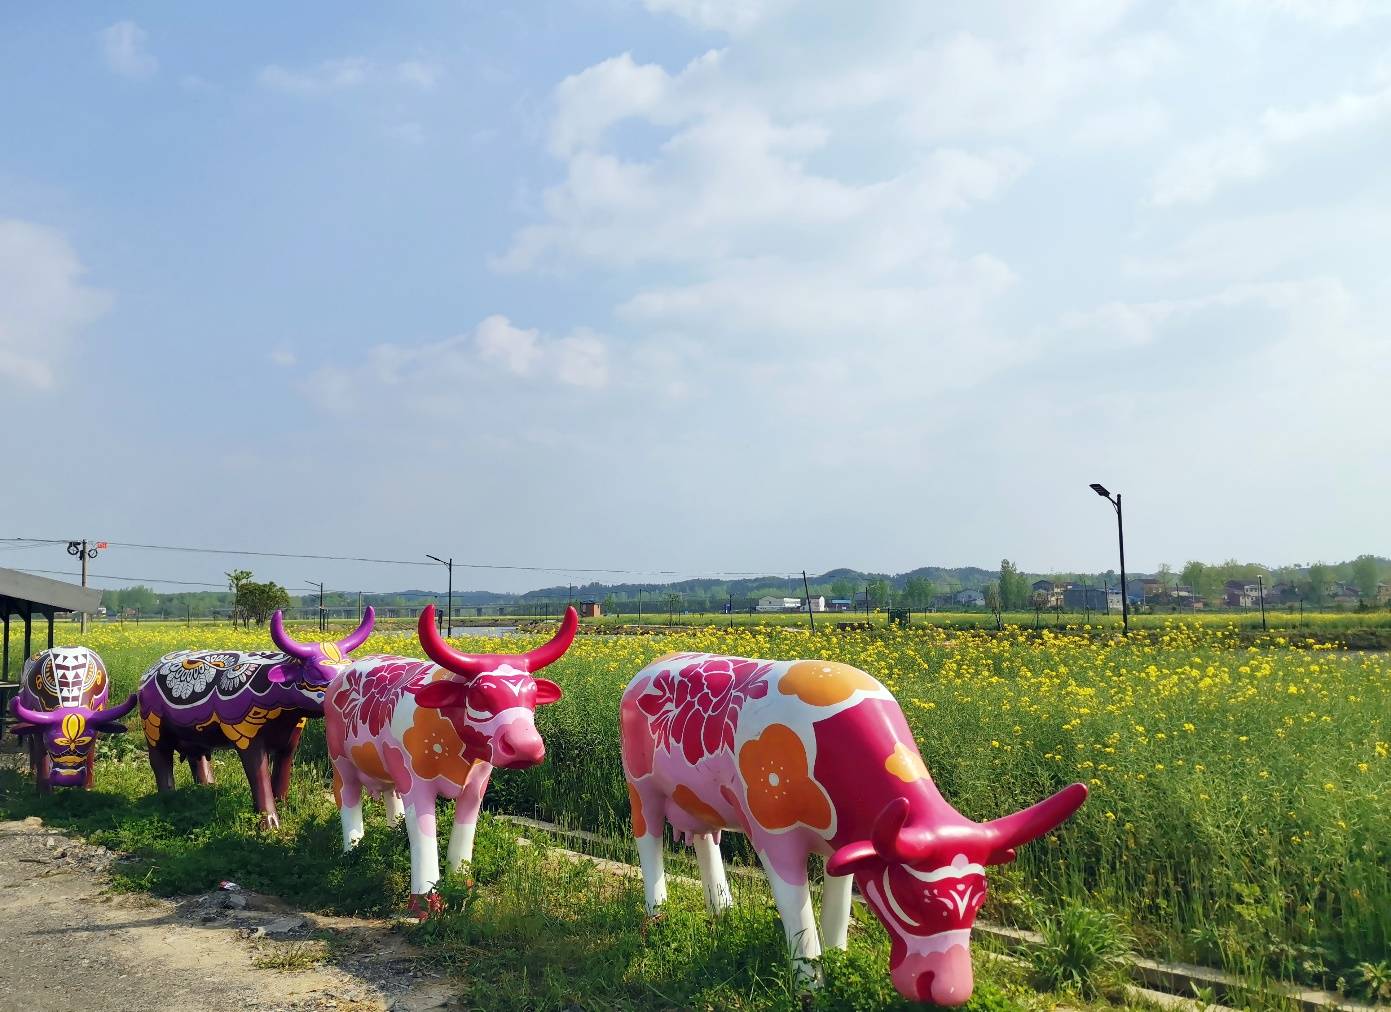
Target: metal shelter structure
(25,595)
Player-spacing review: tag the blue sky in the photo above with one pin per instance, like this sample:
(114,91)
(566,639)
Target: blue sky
(695,285)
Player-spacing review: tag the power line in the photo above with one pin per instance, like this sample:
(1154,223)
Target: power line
(400,562)
(146,579)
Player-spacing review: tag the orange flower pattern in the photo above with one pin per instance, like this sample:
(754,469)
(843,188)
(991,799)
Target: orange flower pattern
(635,803)
(824,683)
(367,759)
(780,788)
(435,748)
(905,763)
(690,801)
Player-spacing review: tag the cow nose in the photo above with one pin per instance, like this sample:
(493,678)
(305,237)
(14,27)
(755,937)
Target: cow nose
(517,747)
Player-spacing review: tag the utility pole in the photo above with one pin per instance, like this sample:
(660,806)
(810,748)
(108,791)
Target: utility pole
(320,586)
(79,549)
(807,587)
(1260,582)
(449,565)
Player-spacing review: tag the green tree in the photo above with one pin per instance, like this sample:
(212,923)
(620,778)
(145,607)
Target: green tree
(995,603)
(917,592)
(235,579)
(1365,572)
(878,592)
(1013,587)
(1198,578)
(843,589)
(1317,582)
(259,601)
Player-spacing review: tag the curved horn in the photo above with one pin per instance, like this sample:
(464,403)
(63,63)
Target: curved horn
(1015,830)
(114,713)
(887,835)
(472,664)
(551,652)
(283,641)
(43,717)
(359,635)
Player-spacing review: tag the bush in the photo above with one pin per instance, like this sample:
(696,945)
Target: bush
(1084,950)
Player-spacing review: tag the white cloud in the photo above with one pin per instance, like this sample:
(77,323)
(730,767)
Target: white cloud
(499,341)
(1196,171)
(44,304)
(346,74)
(123,45)
(283,357)
(1127,126)
(731,16)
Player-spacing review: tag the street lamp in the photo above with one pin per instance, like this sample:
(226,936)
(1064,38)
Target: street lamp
(1120,534)
(449,623)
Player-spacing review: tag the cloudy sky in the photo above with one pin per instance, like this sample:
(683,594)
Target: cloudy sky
(697,286)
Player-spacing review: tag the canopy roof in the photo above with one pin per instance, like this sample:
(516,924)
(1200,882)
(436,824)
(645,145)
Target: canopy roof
(43,595)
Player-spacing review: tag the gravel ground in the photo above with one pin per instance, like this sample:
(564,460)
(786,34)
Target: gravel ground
(67,942)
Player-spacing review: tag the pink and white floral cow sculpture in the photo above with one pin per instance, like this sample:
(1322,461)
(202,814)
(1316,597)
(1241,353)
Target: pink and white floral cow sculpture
(816,757)
(413,731)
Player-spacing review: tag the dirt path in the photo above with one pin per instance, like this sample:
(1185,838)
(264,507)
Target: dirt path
(67,942)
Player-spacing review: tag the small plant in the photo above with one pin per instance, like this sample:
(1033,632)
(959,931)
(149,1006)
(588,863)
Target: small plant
(1374,980)
(1083,950)
(292,957)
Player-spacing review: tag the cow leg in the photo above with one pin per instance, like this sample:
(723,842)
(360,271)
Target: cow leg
(162,762)
(253,761)
(284,763)
(40,762)
(711,863)
(835,910)
(395,807)
(794,907)
(91,768)
(649,825)
(425,848)
(347,788)
(466,808)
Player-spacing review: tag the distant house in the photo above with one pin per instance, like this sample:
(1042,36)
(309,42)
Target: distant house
(1077,597)
(839,604)
(969,598)
(590,609)
(1047,593)
(1383,593)
(818,603)
(780,604)
(1144,589)
(1240,594)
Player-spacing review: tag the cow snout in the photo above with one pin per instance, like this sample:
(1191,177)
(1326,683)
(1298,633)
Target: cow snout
(517,746)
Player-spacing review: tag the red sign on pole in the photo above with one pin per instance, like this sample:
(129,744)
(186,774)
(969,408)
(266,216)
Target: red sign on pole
(101,544)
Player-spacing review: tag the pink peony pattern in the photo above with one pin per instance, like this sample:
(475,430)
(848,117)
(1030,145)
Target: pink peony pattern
(699,708)
(368,699)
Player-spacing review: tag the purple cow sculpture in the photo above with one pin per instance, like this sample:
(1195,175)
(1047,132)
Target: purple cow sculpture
(61,708)
(195,701)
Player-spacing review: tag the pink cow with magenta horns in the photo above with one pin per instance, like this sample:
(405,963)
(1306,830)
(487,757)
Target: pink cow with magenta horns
(816,757)
(411,731)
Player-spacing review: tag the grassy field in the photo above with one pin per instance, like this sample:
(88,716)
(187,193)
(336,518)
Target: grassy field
(1240,811)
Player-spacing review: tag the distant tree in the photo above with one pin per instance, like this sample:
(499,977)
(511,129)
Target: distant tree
(139,598)
(1364,574)
(917,592)
(995,604)
(1013,587)
(1196,577)
(1165,575)
(1317,582)
(843,589)
(878,592)
(259,601)
(235,579)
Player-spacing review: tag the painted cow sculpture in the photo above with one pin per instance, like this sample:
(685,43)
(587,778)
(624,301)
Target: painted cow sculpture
(195,701)
(61,708)
(815,757)
(412,731)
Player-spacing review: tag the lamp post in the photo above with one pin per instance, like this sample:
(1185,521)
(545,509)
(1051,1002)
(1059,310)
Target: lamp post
(323,622)
(449,622)
(1115,501)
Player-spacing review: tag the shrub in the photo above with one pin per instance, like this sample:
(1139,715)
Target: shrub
(1083,950)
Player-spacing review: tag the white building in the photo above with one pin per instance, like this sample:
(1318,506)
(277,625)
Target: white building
(784,604)
(970,598)
(817,604)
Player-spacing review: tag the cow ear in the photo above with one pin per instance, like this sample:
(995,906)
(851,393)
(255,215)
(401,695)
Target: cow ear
(851,858)
(439,695)
(278,674)
(547,692)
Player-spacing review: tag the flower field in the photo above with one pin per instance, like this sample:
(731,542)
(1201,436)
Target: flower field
(1240,812)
